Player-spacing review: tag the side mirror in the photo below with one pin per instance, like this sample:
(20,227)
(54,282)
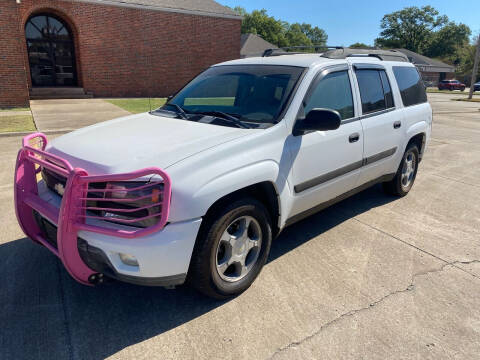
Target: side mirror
(318,120)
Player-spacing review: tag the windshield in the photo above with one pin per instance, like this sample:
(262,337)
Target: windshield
(250,93)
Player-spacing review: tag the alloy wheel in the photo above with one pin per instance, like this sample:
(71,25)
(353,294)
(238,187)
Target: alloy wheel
(238,248)
(408,170)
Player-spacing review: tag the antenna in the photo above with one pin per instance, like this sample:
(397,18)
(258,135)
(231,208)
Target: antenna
(149,88)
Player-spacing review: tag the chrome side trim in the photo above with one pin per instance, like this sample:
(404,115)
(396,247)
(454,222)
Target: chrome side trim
(343,170)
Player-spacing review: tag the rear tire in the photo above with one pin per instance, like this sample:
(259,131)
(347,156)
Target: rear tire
(231,249)
(405,176)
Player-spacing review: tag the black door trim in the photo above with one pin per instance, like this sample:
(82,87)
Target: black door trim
(337,199)
(328,176)
(343,170)
(380,156)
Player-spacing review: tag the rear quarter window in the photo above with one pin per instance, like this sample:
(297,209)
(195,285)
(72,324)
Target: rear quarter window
(410,84)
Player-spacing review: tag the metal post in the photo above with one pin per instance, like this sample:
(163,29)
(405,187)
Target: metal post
(475,68)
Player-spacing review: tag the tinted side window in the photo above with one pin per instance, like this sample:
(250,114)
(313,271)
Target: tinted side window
(387,90)
(410,85)
(333,92)
(371,90)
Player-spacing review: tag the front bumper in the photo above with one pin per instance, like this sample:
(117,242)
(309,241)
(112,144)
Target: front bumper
(80,237)
(163,257)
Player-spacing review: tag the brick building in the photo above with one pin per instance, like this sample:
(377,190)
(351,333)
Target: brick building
(110,48)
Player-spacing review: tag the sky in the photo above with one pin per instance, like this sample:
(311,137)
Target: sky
(350,21)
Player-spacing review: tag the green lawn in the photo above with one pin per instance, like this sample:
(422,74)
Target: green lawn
(138,105)
(16,123)
(15,109)
(456,92)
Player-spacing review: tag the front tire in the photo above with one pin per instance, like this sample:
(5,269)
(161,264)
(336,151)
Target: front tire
(405,176)
(231,249)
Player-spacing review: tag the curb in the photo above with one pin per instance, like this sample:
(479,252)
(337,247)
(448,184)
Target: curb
(47,132)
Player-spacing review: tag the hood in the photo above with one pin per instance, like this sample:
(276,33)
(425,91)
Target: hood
(139,141)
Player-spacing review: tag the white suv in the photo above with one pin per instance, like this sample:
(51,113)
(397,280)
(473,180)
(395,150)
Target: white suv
(197,189)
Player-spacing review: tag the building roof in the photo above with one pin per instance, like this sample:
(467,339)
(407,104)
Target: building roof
(253,45)
(197,7)
(427,64)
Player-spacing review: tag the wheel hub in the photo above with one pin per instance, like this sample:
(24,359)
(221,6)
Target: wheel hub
(238,248)
(408,170)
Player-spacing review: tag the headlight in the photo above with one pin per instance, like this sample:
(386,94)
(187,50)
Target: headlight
(128,203)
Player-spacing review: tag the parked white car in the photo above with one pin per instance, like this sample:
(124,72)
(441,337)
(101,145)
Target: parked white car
(197,189)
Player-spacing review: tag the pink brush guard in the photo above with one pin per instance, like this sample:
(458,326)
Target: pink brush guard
(72,215)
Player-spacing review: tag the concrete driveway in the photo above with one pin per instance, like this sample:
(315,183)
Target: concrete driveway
(69,114)
(373,277)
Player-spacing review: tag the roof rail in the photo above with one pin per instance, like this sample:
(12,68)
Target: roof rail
(385,55)
(286,50)
(339,52)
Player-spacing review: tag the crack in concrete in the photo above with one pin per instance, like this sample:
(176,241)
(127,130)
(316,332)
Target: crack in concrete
(452,263)
(456,180)
(410,287)
(467,262)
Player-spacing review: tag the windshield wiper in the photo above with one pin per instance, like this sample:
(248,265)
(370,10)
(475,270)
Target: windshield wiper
(178,110)
(225,116)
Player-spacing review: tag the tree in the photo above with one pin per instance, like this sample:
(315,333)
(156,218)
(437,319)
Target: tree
(466,59)
(409,28)
(278,32)
(359,45)
(296,37)
(316,35)
(475,68)
(446,41)
(258,22)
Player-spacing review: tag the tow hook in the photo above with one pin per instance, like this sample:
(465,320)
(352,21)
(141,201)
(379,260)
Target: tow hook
(96,279)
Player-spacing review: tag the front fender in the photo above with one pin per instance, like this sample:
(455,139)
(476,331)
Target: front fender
(194,202)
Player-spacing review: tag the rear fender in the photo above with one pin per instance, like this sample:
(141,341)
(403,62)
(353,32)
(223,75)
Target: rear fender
(415,129)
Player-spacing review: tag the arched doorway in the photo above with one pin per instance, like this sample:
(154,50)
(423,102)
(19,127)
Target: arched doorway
(51,51)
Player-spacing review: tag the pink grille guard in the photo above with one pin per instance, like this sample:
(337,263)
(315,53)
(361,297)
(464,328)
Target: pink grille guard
(72,215)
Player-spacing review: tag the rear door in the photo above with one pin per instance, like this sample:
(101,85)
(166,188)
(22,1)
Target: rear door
(382,121)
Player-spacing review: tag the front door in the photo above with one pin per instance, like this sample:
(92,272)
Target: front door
(50,51)
(327,163)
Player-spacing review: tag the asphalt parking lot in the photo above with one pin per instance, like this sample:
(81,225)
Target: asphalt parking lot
(373,277)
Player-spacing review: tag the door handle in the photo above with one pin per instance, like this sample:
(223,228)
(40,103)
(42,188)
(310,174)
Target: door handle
(397,124)
(354,137)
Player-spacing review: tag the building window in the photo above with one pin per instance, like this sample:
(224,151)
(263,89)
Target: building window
(50,51)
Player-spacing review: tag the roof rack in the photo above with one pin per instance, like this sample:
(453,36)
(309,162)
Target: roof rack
(385,55)
(340,52)
(286,50)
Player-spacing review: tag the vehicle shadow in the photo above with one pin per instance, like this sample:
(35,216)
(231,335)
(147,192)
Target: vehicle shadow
(46,314)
